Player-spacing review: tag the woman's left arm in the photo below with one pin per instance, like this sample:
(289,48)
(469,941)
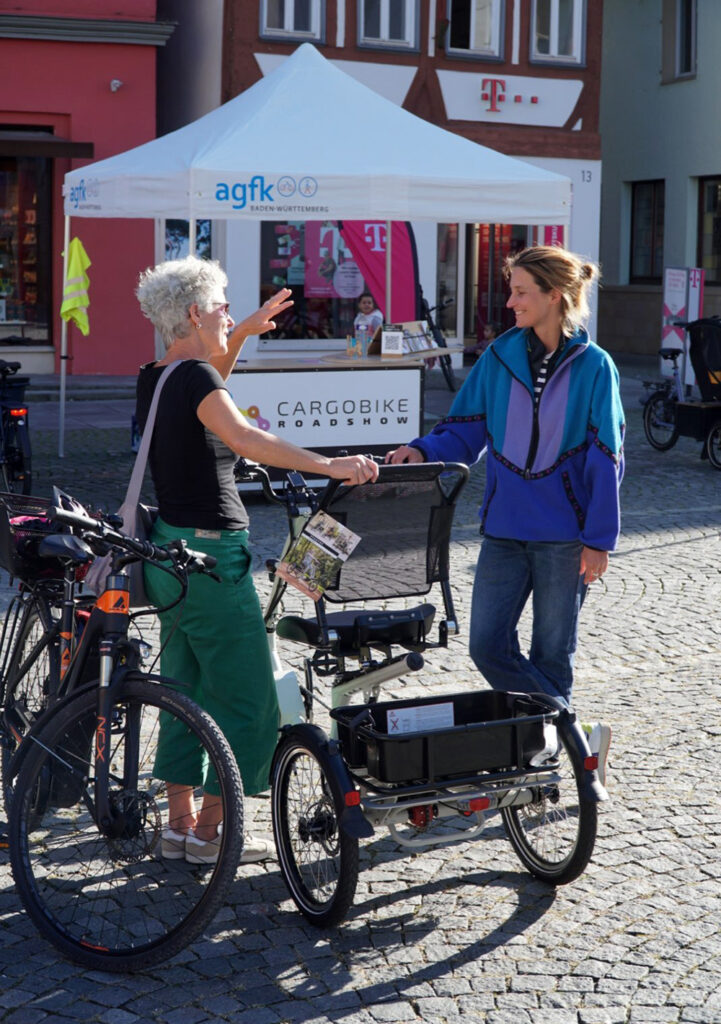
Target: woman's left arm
(257,323)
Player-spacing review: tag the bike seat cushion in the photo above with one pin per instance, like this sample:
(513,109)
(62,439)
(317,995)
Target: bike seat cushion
(670,353)
(407,627)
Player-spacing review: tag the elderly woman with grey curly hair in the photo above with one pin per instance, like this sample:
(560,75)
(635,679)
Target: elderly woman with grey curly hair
(217,644)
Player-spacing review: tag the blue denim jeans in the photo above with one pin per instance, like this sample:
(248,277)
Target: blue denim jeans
(508,572)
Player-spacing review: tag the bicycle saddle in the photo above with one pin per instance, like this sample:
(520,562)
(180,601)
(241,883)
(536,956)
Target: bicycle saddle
(356,629)
(670,353)
(66,546)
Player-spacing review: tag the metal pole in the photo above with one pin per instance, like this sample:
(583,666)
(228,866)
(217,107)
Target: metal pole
(387,310)
(63,344)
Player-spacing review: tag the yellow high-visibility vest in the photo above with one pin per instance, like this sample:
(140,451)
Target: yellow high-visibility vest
(75,292)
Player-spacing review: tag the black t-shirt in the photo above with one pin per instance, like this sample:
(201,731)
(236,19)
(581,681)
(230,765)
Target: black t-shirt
(192,468)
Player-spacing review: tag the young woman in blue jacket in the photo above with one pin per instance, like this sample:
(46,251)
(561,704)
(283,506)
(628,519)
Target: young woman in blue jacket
(543,402)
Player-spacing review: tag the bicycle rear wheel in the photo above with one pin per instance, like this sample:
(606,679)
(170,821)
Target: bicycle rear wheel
(659,421)
(32,679)
(17,467)
(113,902)
(555,832)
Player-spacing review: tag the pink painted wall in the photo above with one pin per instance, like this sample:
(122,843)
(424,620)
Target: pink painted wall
(67,85)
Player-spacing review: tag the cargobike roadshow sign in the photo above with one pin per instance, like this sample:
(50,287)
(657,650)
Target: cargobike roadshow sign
(332,408)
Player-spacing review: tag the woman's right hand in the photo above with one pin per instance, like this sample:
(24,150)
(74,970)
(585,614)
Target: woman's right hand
(353,469)
(404,454)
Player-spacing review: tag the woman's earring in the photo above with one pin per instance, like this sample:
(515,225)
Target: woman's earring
(197,326)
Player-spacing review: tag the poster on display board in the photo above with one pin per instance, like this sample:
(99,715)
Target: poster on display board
(330,270)
(682,301)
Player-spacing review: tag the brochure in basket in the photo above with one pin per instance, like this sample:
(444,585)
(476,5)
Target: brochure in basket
(313,562)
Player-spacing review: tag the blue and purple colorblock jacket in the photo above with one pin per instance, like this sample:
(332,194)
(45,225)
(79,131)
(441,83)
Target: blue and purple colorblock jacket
(552,474)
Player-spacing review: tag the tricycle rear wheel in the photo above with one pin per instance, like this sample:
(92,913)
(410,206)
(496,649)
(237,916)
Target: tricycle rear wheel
(713,445)
(554,834)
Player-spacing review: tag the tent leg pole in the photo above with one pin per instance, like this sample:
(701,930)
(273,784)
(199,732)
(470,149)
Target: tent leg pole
(389,264)
(63,345)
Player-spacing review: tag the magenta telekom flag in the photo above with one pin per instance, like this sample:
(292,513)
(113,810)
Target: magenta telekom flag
(366,239)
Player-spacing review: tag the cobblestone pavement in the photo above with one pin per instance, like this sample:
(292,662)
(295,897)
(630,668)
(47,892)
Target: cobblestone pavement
(464,931)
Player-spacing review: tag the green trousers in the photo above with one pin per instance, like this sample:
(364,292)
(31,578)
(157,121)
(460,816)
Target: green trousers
(216,645)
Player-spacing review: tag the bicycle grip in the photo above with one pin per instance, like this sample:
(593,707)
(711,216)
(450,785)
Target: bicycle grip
(74,519)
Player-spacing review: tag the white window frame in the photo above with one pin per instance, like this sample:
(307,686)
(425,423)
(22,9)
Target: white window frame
(692,70)
(383,41)
(317,22)
(579,36)
(495,49)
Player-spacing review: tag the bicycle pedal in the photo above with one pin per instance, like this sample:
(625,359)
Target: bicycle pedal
(325,664)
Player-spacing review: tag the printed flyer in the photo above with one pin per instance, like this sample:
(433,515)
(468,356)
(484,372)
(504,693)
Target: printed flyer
(313,562)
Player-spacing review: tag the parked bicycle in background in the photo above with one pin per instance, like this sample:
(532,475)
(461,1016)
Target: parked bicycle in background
(671,411)
(439,338)
(15,453)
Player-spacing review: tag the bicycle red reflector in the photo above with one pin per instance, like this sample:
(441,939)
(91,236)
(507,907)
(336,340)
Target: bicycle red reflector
(352,799)
(479,803)
(591,763)
(18,413)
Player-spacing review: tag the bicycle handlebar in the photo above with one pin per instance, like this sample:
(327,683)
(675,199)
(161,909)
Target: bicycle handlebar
(176,552)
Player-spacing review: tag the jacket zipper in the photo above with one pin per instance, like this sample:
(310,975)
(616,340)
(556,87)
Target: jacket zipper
(533,446)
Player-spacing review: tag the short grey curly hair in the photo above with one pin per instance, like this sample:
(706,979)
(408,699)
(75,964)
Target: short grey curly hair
(167,292)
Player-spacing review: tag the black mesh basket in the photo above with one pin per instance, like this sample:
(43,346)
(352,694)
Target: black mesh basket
(23,524)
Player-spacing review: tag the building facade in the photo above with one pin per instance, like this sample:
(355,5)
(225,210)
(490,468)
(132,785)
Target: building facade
(661,195)
(520,76)
(77,84)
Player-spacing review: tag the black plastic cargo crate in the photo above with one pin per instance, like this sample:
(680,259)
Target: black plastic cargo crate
(491,731)
(695,419)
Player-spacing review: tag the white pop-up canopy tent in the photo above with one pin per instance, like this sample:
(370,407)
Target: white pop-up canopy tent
(260,157)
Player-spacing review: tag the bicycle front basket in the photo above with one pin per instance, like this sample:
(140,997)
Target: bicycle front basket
(23,523)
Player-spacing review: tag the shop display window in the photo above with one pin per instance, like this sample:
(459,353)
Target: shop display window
(177,239)
(25,251)
(311,258)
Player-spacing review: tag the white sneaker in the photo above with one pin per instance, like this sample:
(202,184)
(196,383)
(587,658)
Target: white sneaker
(256,849)
(550,746)
(172,844)
(599,741)
(202,851)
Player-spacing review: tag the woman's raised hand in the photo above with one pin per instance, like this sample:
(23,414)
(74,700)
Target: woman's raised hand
(264,318)
(353,469)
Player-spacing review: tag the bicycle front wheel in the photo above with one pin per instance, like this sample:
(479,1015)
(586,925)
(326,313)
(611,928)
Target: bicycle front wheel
(447,368)
(659,422)
(318,860)
(554,832)
(109,898)
(32,679)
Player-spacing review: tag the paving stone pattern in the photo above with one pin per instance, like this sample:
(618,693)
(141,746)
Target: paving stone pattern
(463,931)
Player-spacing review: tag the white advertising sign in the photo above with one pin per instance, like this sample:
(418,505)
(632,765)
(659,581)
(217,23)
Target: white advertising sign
(682,300)
(332,408)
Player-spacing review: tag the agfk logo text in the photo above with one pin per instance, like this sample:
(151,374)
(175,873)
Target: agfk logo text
(255,190)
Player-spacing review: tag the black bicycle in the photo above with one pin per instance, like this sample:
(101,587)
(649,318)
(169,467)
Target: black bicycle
(439,338)
(87,809)
(15,452)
